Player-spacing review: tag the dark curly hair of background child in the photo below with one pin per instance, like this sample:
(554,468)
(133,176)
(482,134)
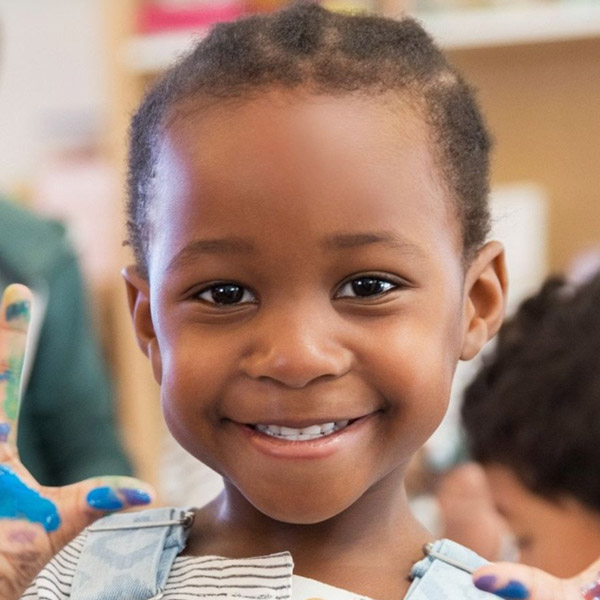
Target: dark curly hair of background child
(532,418)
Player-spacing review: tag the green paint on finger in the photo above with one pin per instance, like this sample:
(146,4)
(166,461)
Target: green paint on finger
(11,400)
(18,310)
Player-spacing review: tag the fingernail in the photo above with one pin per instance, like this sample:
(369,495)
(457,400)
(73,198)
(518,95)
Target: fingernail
(104,498)
(135,497)
(4,431)
(486,583)
(513,590)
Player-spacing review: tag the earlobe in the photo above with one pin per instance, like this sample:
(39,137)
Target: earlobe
(486,285)
(138,297)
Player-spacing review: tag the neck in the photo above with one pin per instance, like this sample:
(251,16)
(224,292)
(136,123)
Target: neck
(368,548)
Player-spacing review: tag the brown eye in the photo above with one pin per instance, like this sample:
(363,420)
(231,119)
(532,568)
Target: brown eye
(365,287)
(226,294)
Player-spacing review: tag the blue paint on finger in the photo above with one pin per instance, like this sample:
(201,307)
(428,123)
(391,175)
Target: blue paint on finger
(17,310)
(5,375)
(513,590)
(4,432)
(104,498)
(18,501)
(135,497)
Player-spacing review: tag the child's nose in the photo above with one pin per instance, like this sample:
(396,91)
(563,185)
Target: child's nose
(296,348)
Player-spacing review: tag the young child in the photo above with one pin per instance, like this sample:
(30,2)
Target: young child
(308,213)
(532,417)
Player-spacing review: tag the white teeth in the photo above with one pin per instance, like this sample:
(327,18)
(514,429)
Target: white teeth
(284,431)
(312,430)
(306,433)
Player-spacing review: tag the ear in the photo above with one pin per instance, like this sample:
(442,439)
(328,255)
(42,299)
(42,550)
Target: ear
(486,286)
(138,297)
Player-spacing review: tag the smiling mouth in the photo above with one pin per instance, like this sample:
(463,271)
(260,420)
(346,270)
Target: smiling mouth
(304,434)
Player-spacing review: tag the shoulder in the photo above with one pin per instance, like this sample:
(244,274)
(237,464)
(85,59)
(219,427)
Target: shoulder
(29,244)
(444,574)
(55,579)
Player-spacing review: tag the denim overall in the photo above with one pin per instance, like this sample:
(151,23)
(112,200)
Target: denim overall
(129,556)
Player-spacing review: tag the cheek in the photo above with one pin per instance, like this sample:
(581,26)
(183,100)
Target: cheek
(194,373)
(416,364)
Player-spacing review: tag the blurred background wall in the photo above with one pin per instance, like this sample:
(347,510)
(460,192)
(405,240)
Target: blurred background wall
(52,62)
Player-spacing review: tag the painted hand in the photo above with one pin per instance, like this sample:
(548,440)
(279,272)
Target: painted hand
(512,581)
(36,521)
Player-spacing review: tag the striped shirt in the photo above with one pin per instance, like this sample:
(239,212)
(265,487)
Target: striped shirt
(208,577)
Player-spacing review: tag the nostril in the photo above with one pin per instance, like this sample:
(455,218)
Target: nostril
(298,366)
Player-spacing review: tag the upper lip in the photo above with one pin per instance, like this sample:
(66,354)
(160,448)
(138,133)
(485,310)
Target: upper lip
(300,423)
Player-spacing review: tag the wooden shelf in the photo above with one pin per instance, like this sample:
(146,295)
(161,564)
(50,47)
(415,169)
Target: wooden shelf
(458,29)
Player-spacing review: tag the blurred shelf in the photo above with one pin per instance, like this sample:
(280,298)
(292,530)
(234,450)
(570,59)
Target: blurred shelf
(456,29)
(504,26)
(147,54)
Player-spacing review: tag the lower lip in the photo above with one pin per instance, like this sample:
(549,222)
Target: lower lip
(321,447)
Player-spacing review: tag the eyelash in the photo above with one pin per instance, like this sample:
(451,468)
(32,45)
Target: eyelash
(367,281)
(207,294)
(216,288)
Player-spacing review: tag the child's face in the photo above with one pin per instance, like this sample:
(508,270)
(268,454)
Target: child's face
(561,536)
(305,269)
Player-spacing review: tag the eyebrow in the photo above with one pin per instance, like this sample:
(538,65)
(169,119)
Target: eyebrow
(339,241)
(197,248)
(342,241)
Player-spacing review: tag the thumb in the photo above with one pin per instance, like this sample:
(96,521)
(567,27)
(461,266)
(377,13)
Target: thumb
(82,503)
(516,582)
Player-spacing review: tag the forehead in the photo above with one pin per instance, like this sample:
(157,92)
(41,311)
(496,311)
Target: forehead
(308,162)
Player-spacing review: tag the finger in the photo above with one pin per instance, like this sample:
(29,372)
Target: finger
(82,503)
(15,314)
(68,510)
(516,582)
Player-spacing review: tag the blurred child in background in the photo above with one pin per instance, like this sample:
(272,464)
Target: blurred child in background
(532,418)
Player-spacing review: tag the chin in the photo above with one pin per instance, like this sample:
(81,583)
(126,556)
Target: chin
(298,515)
(301,509)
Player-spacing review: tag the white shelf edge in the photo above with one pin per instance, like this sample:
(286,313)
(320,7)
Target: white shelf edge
(488,27)
(146,54)
(468,28)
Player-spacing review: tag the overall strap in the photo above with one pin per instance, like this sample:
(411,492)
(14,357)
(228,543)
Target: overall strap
(445,573)
(128,556)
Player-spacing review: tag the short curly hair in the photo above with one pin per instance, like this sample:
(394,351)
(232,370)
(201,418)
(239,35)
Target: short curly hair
(306,46)
(534,408)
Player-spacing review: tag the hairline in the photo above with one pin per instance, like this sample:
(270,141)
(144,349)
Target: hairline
(191,104)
